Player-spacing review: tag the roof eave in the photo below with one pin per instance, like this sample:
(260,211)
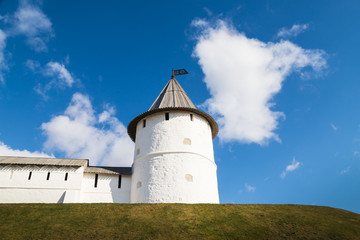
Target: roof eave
(131,129)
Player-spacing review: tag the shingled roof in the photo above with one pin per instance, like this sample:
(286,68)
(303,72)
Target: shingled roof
(64,162)
(109,170)
(172,97)
(12,160)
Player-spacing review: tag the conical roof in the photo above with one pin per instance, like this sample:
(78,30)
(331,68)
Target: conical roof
(172,97)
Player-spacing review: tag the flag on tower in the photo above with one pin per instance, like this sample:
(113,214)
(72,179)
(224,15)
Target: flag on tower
(180,72)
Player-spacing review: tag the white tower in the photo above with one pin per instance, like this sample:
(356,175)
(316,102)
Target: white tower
(174,157)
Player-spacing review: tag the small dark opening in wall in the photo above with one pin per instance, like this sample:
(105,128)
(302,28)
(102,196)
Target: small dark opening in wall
(29,175)
(191,117)
(96,180)
(48,176)
(144,123)
(66,176)
(166,116)
(119,183)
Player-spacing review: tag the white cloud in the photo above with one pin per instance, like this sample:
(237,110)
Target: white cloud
(208,11)
(199,23)
(107,114)
(8,151)
(333,127)
(4,18)
(3,64)
(295,30)
(249,188)
(344,171)
(290,168)
(58,70)
(81,133)
(33,65)
(243,75)
(29,20)
(60,76)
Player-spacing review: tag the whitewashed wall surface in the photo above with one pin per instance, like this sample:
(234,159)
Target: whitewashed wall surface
(174,160)
(49,184)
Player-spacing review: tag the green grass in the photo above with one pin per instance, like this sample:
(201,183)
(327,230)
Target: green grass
(176,221)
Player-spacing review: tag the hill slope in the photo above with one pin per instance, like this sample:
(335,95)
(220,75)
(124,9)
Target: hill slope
(175,221)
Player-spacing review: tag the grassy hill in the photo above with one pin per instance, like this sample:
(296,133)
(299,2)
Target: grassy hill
(176,221)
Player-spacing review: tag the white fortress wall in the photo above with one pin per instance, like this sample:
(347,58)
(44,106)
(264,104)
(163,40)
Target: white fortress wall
(160,135)
(174,160)
(175,178)
(107,188)
(34,184)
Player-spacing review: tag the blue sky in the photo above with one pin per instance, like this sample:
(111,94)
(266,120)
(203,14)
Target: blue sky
(280,77)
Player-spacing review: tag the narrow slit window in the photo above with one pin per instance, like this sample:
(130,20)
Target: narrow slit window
(66,176)
(96,180)
(191,117)
(119,183)
(48,176)
(167,116)
(30,173)
(144,123)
